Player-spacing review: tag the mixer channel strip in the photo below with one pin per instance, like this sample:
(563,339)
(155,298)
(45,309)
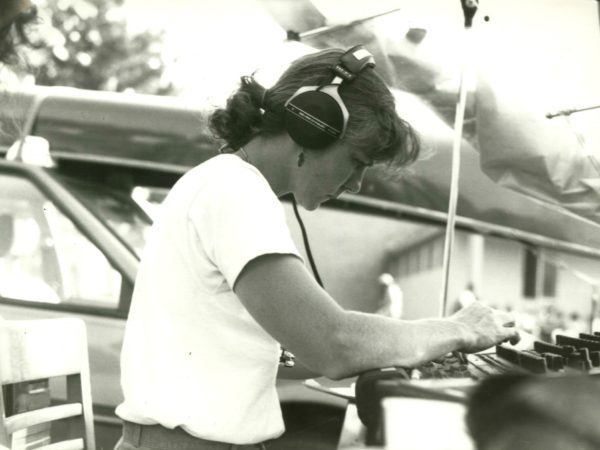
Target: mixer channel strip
(568,355)
(489,364)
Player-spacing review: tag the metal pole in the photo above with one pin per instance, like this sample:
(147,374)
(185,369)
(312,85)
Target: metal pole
(469,9)
(568,112)
(328,29)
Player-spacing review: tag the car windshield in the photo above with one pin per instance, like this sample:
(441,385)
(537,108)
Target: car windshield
(118,209)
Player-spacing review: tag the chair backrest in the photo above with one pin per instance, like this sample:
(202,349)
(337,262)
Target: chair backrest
(31,353)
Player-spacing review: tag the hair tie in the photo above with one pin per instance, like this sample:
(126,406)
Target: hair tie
(263,98)
(257,92)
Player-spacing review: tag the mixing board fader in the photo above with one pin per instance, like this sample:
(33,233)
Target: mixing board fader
(568,355)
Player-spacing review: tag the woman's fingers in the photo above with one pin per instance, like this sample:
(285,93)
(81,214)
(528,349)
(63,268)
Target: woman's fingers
(506,319)
(513,338)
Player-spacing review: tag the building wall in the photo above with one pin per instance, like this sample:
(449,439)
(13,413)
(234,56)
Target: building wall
(499,280)
(574,289)
(422,294)
(502,275)
(352,250)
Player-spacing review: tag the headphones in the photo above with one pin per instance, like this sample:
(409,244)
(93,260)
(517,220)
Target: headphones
(315,116)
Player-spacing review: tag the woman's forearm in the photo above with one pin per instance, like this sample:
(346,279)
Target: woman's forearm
(367,341)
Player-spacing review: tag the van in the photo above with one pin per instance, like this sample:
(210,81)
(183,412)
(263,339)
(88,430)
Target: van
(74,217)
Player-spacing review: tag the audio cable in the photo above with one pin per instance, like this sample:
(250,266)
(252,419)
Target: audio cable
(287,358)
(311,260)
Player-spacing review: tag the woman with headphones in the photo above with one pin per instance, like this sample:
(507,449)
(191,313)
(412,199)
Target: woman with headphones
(221,285)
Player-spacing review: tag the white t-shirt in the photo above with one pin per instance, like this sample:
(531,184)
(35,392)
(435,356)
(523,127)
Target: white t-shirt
(192,355)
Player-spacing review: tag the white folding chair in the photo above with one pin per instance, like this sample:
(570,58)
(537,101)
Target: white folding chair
(32,352)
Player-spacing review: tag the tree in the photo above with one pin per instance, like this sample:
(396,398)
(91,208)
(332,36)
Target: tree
(86,44)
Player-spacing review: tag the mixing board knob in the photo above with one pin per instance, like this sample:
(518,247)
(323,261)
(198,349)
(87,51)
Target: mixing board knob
(510,354)
(577,342)
(590,337)
(554,361)
(595,358)
(579,360)
(533,363)
(546,347)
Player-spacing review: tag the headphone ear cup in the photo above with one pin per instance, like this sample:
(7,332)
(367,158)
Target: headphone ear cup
(314,119)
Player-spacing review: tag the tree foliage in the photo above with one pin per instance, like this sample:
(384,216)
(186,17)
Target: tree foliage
(87,44)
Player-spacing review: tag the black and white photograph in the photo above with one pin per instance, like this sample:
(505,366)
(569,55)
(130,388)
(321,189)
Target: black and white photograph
(299,224)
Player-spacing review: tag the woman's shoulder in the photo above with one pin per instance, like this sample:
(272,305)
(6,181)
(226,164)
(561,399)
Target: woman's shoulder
(227,162)
(227,170)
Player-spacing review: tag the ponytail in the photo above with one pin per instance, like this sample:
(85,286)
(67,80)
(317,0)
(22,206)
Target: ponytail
(242,117)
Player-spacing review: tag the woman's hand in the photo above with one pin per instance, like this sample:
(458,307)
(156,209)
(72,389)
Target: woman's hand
(484,327)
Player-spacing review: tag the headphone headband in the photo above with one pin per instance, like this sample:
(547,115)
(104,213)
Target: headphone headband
(353,62)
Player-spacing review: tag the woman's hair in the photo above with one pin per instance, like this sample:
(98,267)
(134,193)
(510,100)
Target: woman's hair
(374,125)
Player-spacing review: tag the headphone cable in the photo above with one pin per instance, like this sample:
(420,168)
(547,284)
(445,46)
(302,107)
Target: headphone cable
(306,244)
(286,358)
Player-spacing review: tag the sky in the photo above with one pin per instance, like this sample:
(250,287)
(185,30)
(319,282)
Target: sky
(210,44)
(536,53)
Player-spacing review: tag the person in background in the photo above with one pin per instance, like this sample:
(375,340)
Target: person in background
(550,321)
(573,325)
(392,299)
(595,314)
(221,285)
(465,298)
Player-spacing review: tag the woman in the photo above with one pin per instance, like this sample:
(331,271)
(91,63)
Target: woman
(221,284)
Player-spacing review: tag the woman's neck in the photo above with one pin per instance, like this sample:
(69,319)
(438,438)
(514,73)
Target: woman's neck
(273,157)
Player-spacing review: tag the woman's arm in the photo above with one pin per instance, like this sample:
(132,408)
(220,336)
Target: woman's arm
(298,372)
(285,300)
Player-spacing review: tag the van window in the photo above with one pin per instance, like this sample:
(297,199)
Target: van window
(117,209)
(44,257)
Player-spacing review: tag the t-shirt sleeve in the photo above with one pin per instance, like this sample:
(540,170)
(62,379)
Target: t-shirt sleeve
(239,218)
